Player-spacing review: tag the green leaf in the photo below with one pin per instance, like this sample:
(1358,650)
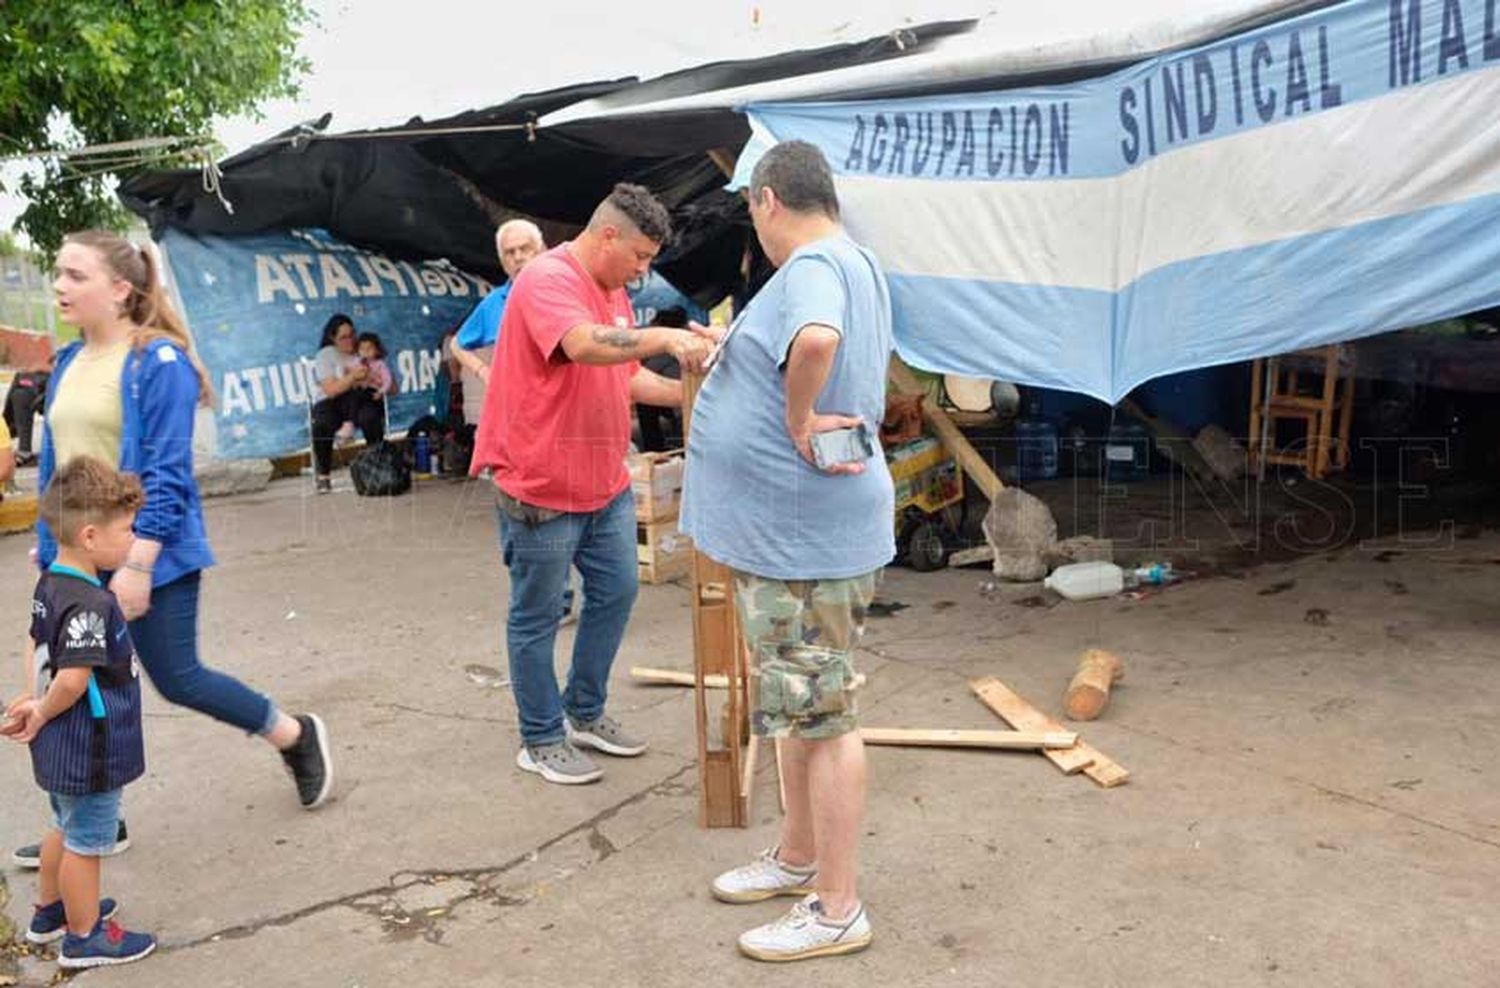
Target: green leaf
(102,71)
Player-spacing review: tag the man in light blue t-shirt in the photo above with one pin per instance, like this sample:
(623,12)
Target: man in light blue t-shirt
(808,355)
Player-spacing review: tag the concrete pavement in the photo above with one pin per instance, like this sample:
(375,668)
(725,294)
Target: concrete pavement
(1312,799)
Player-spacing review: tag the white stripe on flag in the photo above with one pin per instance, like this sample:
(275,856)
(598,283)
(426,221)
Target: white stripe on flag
(1430,145)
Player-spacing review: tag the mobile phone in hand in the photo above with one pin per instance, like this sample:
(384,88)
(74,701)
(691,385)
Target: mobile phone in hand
(839,446)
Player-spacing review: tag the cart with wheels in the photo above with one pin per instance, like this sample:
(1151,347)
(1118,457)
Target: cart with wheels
(929,496)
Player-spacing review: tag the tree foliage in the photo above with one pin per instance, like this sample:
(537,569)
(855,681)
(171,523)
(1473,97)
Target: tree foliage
(77,73)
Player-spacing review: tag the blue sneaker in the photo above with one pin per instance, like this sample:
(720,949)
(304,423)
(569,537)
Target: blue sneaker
(49,923)
(108,945)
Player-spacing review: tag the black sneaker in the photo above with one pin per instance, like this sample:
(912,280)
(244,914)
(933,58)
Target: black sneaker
(30,856)
(309,763)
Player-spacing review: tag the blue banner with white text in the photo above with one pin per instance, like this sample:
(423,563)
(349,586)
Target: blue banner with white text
(256,306)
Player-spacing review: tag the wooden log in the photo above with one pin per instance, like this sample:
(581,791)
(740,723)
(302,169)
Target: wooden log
(947,432)
(1088,693)
(946,738)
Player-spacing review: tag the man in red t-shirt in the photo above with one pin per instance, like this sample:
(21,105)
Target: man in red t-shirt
(555,431)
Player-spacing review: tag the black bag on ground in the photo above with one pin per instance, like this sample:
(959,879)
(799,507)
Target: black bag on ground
(458,450)
(380,471)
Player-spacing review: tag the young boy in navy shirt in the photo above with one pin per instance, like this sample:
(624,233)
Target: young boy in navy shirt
(85,729)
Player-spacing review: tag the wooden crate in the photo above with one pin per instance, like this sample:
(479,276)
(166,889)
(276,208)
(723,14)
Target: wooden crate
(656,482)
(663,553)
(18,513)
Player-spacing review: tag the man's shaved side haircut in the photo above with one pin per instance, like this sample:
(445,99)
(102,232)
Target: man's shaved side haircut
(635,205)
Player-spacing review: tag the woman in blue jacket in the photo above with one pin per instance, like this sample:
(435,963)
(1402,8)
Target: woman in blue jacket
(128,394)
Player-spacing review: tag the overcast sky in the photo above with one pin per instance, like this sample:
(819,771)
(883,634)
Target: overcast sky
(380,62)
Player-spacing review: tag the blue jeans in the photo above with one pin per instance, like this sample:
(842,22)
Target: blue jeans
(89,823)
(601,544)
(166,639)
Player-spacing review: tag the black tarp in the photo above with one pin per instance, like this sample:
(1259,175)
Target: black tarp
(411,193)
(372,189)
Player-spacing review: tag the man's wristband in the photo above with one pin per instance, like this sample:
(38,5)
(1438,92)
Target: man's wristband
(131,564)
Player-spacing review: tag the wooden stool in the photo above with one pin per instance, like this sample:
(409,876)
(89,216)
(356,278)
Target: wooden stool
(1315,389)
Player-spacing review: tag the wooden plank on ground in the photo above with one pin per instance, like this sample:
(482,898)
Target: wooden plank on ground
(1107,772)
(1021,715)
(674,677)
(713,681)
(952,738)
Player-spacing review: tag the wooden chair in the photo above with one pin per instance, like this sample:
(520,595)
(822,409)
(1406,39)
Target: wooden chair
(1313,388)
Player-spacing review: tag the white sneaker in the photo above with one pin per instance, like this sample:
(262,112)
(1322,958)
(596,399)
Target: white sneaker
(805,932)
(764,878)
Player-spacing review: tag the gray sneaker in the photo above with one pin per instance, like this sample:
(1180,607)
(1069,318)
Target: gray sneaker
(560,763)
(605,734)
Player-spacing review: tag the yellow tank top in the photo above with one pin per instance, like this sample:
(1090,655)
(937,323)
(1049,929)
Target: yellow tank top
(87,414)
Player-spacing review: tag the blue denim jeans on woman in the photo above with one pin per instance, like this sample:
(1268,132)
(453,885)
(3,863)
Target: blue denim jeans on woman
(166,640)
(601,545)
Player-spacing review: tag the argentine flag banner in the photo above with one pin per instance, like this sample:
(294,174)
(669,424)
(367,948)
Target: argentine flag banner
(1315,180)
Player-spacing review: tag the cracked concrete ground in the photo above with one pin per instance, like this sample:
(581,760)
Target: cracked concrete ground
(1313,799)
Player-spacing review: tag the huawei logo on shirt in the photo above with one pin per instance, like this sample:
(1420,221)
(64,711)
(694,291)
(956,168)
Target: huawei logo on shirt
(86,631)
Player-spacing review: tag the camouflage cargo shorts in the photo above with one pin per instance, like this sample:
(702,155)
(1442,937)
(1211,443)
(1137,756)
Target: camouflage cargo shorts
(802,635)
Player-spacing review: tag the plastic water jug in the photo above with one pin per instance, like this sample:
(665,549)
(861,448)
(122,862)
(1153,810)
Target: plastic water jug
(1127,454)
(1086,581)
(1036,450)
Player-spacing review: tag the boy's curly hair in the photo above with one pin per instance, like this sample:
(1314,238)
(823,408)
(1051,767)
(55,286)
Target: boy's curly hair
(87,491)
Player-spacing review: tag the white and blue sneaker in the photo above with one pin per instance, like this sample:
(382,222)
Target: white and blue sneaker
(108,945)
(805,933)
(50,923)
(764,878)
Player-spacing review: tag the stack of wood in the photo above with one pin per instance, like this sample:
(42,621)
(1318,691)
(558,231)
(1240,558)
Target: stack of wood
(1032,730)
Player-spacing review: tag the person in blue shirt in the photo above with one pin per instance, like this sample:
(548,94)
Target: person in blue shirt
(516,242)
(84,729)
(806,542)
(128,394)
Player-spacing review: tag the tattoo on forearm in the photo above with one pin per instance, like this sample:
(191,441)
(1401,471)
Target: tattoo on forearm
(620,339)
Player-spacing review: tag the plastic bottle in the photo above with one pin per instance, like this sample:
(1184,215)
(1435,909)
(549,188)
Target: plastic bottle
(423,449)
(436,447)
(1151,575)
